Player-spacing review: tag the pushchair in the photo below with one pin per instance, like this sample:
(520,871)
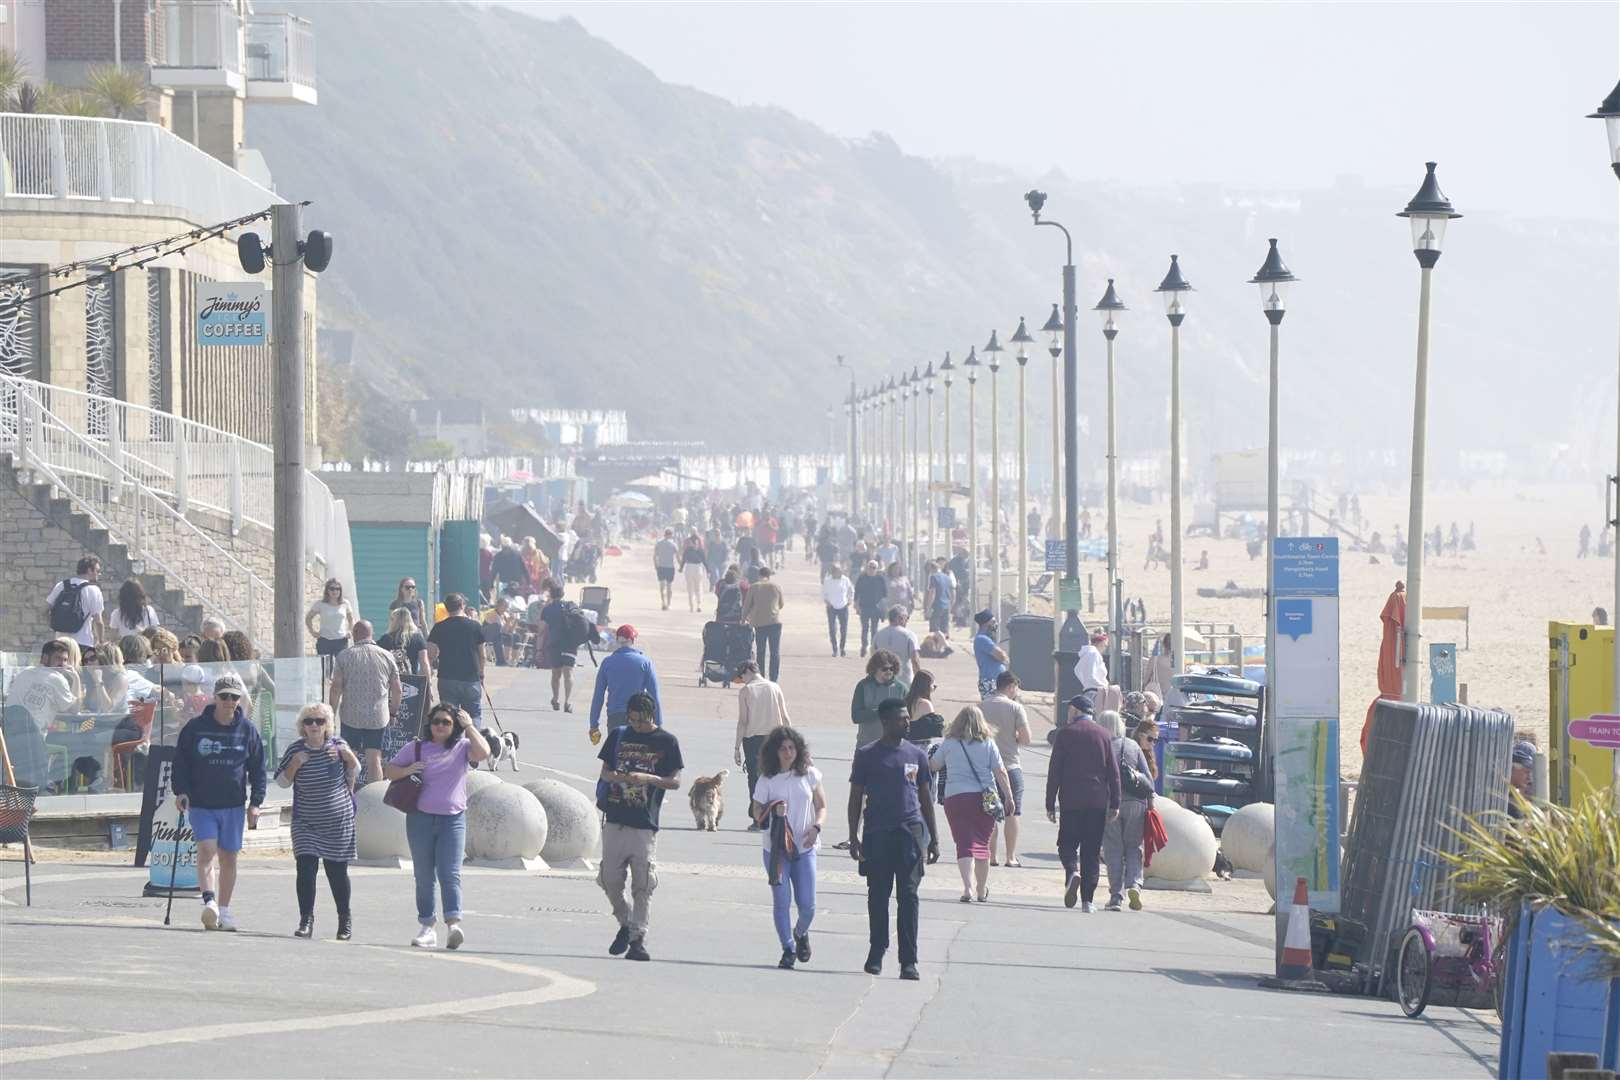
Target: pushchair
(725,647)
(581,564)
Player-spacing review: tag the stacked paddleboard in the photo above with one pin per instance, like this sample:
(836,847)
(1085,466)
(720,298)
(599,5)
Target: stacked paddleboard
(1212,761)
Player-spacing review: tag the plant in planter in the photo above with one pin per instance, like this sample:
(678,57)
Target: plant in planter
(1553,873)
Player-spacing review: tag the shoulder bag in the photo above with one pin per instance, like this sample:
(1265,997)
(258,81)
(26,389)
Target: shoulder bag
(403,794)
(989,797)
(1132,781)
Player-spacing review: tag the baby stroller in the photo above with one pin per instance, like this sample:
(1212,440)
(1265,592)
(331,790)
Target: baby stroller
(725,647)
(581,565)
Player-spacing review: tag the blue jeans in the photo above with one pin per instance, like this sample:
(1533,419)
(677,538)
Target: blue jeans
(467,695)
(798,884)
(436,845)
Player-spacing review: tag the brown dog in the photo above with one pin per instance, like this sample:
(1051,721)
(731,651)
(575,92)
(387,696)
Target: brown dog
(708,800)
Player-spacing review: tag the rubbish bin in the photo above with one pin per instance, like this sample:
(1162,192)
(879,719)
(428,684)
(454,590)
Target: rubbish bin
(597,598)
(1029,651)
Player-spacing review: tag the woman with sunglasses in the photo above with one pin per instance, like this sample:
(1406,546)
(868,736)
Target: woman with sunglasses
(437,829)
(329,620)
(320,768)
(409,597)
(881,683)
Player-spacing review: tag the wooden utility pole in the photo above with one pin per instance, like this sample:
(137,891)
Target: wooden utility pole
(287,302)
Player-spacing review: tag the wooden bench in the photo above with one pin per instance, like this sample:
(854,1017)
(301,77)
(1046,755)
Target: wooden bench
(1449,614)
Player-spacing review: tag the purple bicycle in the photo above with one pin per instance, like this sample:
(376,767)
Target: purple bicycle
(1456,954)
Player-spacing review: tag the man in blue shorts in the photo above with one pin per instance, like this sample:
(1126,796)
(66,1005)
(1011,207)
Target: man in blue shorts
(219,756)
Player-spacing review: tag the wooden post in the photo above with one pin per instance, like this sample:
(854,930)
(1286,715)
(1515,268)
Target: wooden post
(288,320)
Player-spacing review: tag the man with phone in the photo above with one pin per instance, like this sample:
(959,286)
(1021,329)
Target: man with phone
(218,758)
(640,761)
(890,778)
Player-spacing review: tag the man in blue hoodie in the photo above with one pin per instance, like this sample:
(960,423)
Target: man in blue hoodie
(218,757)
(624,672)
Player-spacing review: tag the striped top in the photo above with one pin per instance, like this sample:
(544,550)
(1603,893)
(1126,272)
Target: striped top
(323,803)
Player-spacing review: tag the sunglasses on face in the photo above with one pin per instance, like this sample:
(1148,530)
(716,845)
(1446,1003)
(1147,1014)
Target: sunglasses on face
(229,697)
(410,588)
(437,720)
(314,721)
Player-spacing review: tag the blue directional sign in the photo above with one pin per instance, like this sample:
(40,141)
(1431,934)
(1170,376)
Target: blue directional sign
(1057,555)
(1305,566)
(1294,616)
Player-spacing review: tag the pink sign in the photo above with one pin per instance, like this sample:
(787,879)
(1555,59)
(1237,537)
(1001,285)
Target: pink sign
(1602,731)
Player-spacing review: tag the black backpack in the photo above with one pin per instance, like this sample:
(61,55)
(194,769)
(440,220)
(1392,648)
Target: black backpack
(576,629)
(67,611)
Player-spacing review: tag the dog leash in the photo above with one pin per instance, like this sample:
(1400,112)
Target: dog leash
(497,716)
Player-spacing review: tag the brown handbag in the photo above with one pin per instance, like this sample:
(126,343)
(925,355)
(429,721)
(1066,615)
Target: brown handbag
(402,794)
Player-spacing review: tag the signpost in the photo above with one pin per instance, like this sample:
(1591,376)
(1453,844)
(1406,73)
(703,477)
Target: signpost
(232,313)
(1056,555)
(1304,735)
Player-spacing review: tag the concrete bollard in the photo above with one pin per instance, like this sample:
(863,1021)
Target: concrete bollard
(506,827)
(575,828)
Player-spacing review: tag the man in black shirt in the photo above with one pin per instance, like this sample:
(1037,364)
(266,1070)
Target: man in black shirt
(456,648)
(640,762)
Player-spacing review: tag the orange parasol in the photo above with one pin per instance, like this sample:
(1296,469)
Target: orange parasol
(1389,656)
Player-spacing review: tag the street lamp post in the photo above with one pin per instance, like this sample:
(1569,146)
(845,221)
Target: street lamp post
(948,369)
(914,532)
(901,525)
(854,445)
(1175,288)
(1609,113)
(972,364)
(1054,330)
(1108,307)
(933,497)
(1429,211)
(993,348)
(1022,339)
(1275,282)
(893,447)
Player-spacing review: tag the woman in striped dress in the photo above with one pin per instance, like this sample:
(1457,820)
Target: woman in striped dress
(321,770)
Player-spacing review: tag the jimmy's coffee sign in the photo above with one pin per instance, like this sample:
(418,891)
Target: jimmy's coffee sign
(232,313)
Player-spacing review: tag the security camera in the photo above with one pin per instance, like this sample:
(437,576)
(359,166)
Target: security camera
(1036,200)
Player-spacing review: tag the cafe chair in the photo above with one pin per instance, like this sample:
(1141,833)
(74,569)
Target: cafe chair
(16,811)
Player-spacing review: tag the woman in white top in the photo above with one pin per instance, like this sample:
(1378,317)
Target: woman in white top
(133,614)
(970,760)
(789,805)
(330,619)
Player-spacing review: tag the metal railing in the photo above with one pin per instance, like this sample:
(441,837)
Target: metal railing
(120,161)
(157,535)
(281,49)
(190,465)
(200,35)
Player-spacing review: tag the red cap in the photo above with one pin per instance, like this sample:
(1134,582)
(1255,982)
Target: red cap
(626,631)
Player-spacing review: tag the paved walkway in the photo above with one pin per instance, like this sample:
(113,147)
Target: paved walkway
(91,983)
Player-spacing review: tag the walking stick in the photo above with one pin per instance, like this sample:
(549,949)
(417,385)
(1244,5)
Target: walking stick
(174,866)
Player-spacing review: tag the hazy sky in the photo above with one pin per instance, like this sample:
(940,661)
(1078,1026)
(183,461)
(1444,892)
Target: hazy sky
(1291,94)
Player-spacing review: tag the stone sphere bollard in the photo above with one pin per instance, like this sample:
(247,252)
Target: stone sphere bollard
(1269,871)
(1248,836)
(575,828)
(1190,853)
(504,822)
(379,829)
(479,779)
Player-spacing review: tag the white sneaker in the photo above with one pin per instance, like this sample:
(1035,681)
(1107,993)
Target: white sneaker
(426,938)
(455,937)
(1087,907)
(210,915)
(226,920)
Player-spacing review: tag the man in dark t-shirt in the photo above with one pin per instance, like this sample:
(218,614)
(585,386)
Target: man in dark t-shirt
(640,761)
(456,648)
(891,778)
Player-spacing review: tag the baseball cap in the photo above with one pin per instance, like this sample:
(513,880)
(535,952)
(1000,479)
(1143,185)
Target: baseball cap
(1524,753)
(983,617)
(625,631)
(230,681)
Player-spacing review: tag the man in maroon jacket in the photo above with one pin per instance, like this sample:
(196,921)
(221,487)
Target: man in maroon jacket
(1083,780)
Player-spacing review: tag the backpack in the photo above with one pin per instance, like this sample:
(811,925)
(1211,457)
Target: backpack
(67,611)
(576,629)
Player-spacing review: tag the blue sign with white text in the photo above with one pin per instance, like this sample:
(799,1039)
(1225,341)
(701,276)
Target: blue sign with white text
(1294,616)
(232,313)
(1305,566)
(1056,555)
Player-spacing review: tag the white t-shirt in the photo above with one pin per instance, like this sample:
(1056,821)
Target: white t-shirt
(887,554)
(334,619)
(799,793)
(1090,669)
(900,641)
(837,591)
(90,603)
(119,628)
(44,692)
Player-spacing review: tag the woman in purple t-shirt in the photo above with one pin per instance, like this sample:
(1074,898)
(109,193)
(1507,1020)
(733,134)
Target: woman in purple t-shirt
(437,828)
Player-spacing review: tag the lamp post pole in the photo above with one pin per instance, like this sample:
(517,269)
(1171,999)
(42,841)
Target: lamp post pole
(933,513)
(900,526)
(1274,280)
(948,369)
(1021,338)
(993,348)
(1609,113)
(914,532)
(1054,328)
(1429,211)
(893,446)
(854,445)
(1109,306)
(972,365)
(1175,287)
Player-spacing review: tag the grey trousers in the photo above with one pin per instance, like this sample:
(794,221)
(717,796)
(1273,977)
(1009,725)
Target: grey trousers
(1122,848)
(631,853)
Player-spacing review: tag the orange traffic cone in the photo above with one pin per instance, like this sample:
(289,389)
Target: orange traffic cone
(1296,953)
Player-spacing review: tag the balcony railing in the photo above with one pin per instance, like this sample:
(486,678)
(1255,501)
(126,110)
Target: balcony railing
(200,45)
(280,57)
(119,161)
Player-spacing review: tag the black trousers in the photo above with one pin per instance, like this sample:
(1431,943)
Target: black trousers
(768,638)
(838,626)
(337,876)
(869,628)
(751,745)
(1081,829)
(893,861)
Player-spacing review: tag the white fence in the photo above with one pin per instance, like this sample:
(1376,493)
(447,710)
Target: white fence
(120,161)
(281,49)
(201,35)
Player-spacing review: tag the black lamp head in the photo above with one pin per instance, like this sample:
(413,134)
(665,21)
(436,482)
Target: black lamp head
(1036,200)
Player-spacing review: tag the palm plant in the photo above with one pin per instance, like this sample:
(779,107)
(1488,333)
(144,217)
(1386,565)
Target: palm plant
(13,75)
(121,92)
(64,101)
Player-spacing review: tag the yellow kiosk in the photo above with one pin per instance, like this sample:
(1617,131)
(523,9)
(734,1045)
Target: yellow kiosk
(1580,684)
